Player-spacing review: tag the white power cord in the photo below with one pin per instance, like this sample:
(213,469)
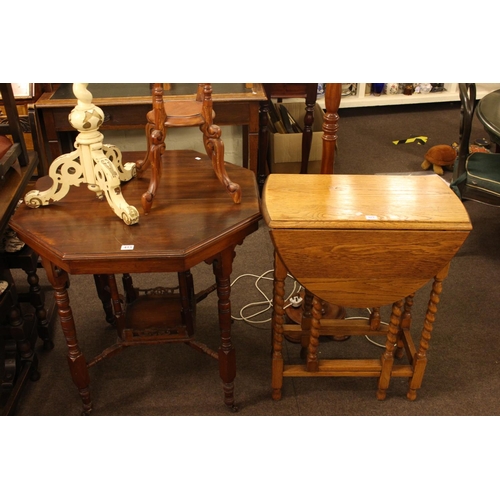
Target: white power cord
(293,299)
(267,302)
(367,337)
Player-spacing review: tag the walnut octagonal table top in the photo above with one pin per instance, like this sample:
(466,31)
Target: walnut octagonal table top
(192,219)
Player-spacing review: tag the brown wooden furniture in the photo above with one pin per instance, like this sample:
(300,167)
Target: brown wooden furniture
(26,119)
(361,241)
(17,336)
(125,106)
(330,128)
(280,91)
(196,222)
(196,112)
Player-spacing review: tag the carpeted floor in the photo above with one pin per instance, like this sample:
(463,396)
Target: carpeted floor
(463,372)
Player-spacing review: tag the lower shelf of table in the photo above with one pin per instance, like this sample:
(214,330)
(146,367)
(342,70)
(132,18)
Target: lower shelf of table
(157,318)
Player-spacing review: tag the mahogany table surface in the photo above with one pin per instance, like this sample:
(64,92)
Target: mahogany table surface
(193,219)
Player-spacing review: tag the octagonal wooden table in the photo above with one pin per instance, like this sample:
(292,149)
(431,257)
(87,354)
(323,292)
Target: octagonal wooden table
(193,221)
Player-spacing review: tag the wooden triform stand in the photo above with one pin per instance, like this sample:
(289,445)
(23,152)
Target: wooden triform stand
(97,164)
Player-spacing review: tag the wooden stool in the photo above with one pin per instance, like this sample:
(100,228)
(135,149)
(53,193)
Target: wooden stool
(180,113)
(361,241)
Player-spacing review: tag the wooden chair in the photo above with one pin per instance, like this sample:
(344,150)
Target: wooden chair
(173,113)
(476,176)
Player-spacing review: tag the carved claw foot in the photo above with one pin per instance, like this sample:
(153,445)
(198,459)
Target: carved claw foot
(147,202)
(64,172)
(235,192)
(108,181)
(130,215)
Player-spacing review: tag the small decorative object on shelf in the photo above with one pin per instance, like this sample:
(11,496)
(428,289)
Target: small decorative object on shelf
(97,164)
(423,88)
(408,89)
(377,88)
(392,88)
(349,89)
(437,87)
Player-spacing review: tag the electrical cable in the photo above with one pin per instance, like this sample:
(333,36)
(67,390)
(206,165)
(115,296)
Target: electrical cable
(367,336)
(269,303)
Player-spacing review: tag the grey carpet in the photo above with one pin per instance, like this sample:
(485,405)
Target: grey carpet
(463,372)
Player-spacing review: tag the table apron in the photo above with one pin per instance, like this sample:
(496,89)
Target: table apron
(145,264)
(134,116)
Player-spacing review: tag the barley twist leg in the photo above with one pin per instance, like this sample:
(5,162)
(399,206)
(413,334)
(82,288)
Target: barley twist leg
(405,324)
(420,360)
(312,351)
(387,359)
(278,319)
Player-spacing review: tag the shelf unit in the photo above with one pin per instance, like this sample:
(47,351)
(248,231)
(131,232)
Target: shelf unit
(450,94)
(18,357)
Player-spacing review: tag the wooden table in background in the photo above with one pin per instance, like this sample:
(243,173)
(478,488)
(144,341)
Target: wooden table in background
(125,106)
(193,221)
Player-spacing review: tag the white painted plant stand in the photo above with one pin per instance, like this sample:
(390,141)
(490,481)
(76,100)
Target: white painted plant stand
(94,163)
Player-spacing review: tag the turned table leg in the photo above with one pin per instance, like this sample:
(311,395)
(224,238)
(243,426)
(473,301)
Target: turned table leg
(222,267)
(102,288)
(76,361)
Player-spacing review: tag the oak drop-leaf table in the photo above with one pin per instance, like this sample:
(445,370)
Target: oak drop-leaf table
(361,241)
(193,222)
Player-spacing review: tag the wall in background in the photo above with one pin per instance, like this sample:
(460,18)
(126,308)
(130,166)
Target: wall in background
(181,138)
